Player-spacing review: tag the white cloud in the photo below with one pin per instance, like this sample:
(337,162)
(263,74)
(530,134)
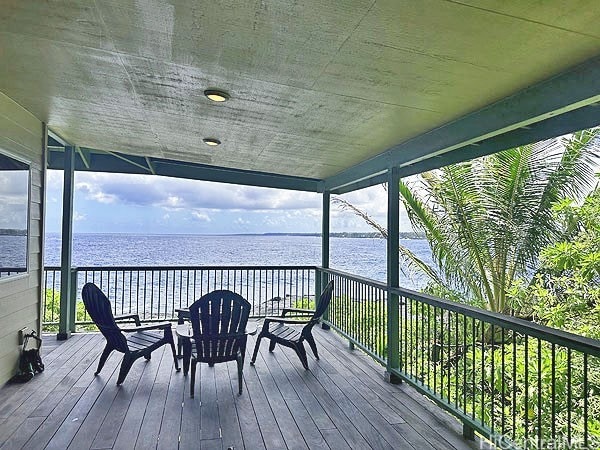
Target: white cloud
(77,217)
(201,216)
(174,193)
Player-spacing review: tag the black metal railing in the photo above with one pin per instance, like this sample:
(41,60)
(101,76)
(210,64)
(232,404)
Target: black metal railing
(519,384)
(156,292)
(9,271)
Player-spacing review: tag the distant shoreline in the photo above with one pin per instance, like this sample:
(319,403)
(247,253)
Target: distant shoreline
(345,234)
(12,232)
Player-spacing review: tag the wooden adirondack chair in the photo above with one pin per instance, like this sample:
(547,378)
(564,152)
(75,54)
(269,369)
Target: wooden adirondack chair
(219,321)
(142,340)
(275,329)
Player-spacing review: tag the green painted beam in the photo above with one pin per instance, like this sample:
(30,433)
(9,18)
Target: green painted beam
(582,118)
(65,326)
(325,231)
(114,162)
(150,166)
(234,176)
(393,275)
(562,94)
(84,154)
(55,138)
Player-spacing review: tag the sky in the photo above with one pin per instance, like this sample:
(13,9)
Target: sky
(13,199)
(120,203)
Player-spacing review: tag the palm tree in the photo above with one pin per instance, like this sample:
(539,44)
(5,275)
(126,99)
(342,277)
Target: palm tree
(486,220)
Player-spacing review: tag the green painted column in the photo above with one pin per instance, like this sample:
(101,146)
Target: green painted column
(325,249)
(393,275)
(66,304)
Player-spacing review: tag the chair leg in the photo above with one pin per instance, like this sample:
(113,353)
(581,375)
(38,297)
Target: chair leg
(272,345)
(125,367)
(313,345)
(253,360)
(103,357)
(240,367)
(299,347)
(193,378)
(175,358)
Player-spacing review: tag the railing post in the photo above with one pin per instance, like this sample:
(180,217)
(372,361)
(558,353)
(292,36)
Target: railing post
(65,326)
(393,276)
(73,300)
(325,251)
(468,432)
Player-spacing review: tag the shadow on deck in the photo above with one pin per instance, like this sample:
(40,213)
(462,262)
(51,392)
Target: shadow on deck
(341,403)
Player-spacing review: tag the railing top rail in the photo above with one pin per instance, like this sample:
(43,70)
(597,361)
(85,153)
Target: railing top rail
(553,335)
(367,281)
(212,267)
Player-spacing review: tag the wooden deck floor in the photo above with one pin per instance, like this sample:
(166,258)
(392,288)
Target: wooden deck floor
(341,403)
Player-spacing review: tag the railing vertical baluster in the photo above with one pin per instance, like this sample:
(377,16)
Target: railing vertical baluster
(442,384)
(180,292)
(502,397)
(435,348)
(514,385)
(449,363)
(569,397)
(464,358)
(585,402)
(539,393)
(456,347)
(553,418)
(526,362)
(130,292)
(429,356)
(492,358)
(482,374)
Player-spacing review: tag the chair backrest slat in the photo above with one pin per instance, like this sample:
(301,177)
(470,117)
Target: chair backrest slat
(99,309)
(321,307)
(324,301)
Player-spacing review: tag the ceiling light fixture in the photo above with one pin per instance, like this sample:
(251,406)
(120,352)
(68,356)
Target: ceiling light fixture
(216,95)
(213,142)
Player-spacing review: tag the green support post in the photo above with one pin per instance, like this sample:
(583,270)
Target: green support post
(65,325)
(325,250)
(73,300)
(393,276)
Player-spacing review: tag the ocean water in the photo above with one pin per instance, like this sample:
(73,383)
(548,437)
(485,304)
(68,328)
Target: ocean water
(360,256)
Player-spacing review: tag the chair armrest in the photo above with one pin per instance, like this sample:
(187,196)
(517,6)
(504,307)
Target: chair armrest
(290,321)
(135,317)
(299,311)
(151,326)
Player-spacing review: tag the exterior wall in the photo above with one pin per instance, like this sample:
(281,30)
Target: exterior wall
(21,135)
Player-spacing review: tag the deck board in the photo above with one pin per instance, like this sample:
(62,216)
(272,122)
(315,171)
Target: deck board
(341,403)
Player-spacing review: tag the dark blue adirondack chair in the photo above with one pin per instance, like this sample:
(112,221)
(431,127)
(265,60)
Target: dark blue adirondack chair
(141,340)
(276,329)
(219,321)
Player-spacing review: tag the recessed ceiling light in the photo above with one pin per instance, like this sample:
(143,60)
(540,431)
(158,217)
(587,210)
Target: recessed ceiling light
(216,95)
(211,141)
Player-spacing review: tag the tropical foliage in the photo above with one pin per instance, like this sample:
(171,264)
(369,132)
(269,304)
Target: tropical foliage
(487,220)
(565,292)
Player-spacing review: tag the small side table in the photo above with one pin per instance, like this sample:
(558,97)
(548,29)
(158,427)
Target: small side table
(183,315)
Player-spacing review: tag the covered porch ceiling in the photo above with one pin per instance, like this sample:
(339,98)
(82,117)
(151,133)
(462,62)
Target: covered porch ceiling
(325,95)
